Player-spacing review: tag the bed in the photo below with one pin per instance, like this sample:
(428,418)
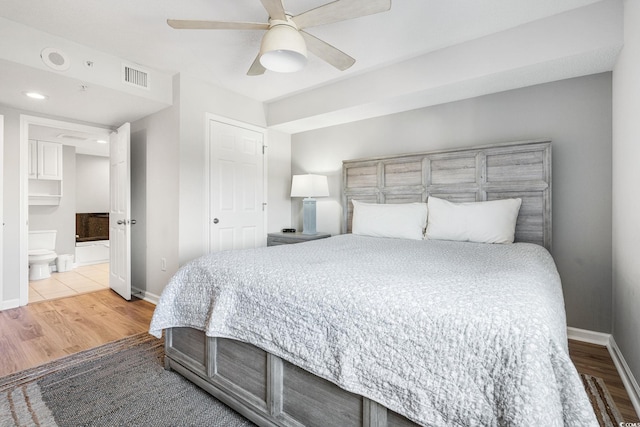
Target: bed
(374,331)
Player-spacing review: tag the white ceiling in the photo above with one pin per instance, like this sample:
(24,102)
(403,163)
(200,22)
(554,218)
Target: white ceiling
(136,31)
(94,143)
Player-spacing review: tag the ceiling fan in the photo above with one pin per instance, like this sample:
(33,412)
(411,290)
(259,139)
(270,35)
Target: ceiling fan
(284,45)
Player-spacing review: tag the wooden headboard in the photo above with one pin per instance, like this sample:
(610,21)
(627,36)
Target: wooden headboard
(501,171)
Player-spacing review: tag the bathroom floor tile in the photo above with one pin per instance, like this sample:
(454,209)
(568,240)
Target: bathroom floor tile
(93,273)
(48,285)
(34,296)
(87,269)
(102,267)
(66,274)
(100,277)
(72,279)
(84,282)
(88,287)
(51,294)
(83,279)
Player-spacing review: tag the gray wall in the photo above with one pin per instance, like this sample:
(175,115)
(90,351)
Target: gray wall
(11,174)
(196,99)
(174,176)
(92,183)
(154,172)
(138,167)
(626,203)
(278,181)
(60,217)
(575,114)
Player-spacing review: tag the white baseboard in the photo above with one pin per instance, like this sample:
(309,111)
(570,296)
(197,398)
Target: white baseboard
(144,295)
(599,338)
(591,337)
(10,303)
(628,379)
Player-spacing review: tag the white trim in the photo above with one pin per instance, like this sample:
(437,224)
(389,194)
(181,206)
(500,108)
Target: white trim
(2,281)
(206,243)
(607,340)
(206,195)
(23,224)
(25,121)
(629,381)
(591,337)
(233,122)
(11,303)
(144,295)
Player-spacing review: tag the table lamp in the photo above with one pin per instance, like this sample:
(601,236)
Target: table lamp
(309,186)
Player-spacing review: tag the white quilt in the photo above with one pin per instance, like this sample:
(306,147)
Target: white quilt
(444,333)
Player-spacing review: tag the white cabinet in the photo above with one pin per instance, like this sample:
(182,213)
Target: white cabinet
(45,160)
(45,173)
(33,159)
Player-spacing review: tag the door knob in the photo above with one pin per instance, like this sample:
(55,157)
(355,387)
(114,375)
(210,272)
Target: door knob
(133,221)
(216,220)
(120,222)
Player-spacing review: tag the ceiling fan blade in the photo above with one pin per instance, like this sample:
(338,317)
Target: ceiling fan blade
(256,68)
(275,9)
(340,10)
(328,53)
(181,24)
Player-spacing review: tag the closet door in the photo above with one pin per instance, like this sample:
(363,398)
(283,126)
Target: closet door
(236,187)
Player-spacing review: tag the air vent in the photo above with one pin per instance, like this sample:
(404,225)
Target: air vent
(135,76)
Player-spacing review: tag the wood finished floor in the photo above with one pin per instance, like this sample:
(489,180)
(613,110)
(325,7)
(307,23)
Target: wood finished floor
(44,331)
(47,330)
(595,360)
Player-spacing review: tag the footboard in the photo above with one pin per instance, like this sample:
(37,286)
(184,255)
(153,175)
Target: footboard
(266,389)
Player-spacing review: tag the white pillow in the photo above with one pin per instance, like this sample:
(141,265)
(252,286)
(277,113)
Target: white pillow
(401,221)
(483,222)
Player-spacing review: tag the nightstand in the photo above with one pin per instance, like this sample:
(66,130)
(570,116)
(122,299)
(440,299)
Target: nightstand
(274,239)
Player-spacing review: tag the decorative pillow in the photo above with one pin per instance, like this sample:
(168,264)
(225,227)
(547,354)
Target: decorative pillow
(401,221)
(483,222)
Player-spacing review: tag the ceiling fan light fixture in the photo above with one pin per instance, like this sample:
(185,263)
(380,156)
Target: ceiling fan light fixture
(283,49)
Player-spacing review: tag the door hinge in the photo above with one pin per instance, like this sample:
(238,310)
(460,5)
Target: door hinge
(264,206)
(264,147)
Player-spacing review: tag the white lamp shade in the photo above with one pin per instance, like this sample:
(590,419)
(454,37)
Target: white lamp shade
(309,186)
(283,50)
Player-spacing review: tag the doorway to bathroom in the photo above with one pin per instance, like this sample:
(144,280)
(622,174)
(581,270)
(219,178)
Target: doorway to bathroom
(68,197)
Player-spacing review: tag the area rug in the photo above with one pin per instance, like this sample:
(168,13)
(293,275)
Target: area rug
(124,384)
(603,405)
(119,384)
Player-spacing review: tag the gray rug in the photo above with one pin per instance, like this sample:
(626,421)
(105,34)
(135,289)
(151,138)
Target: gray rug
(124,384)
(120,384)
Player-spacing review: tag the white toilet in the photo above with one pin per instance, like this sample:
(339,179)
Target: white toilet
(42,245)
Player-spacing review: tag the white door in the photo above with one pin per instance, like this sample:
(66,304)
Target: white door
(1,207)
(120,212)
(236,187)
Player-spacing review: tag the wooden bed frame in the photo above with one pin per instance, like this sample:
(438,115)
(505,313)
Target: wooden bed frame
(272,392)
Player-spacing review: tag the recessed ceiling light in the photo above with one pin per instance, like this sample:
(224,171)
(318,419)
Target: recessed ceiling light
(35,95)
(101,141)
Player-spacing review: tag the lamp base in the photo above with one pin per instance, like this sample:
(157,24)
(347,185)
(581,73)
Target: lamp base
(309,216)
